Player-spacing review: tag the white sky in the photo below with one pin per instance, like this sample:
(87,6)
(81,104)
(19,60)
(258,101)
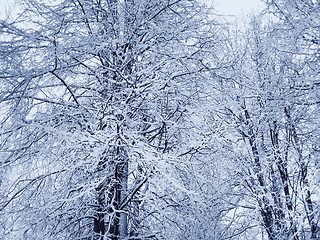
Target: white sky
(4,5)
(225,7)
(237,7)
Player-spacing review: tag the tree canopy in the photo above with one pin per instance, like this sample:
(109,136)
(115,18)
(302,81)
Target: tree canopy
(136,119)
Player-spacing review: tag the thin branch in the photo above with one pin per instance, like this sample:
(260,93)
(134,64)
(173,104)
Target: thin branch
(66,85)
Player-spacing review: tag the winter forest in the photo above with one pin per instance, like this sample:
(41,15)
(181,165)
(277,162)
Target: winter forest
(159,120)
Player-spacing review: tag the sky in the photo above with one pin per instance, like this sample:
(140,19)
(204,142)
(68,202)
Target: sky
(225,7)
(4,5)
(237,7)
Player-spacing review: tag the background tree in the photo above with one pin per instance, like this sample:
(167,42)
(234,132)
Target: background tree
(268,120)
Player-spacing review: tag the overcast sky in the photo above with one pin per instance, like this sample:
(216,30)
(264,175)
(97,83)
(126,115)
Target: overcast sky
(237,7)
(226,7)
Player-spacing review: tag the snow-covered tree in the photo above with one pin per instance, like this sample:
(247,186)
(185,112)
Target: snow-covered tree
(92,94)
(268,109)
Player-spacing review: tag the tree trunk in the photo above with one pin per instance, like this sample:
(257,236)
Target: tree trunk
(315,231)
(266,209)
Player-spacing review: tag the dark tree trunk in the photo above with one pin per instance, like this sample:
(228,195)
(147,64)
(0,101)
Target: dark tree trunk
(99,226)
